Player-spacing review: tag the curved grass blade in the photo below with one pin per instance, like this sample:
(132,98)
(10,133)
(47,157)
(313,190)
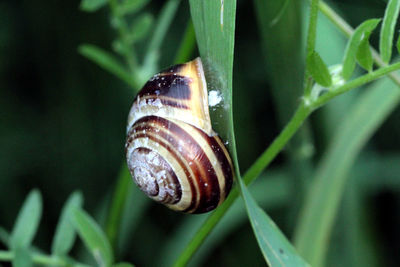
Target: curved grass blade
(65,233)
(349,59)
(27,222)
(93,237)
(123,264)
(107,61)
(387,29)
(274,246)
(321,204)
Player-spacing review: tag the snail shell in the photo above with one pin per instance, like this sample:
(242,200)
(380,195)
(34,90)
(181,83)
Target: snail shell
(173,154)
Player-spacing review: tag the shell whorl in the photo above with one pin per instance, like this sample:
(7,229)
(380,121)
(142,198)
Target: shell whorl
(173,154)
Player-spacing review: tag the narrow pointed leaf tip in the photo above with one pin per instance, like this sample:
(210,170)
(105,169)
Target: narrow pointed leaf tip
(93,237)
(27,222)
(387,29)
(274,246)
(318,69)
(349,59)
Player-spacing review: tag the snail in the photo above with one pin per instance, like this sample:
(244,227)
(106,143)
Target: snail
(173,154)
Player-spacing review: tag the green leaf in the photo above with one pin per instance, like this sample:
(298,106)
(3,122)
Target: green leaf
(364,54)
(274,246)
(123,264)
(387,30)
(27,222)
(93,237)
(318,69)
(22,257)
(65,233)
(322,202)
(105,60)
(349,59)
(131,6)
(92,5)
(141,27)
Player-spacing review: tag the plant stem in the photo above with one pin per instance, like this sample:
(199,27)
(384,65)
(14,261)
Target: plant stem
(347,30)
(41,259)
(354,84)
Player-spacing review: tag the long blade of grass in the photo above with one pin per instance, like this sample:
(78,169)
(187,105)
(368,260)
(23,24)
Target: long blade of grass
(214,23)
(274,246)
(387,30)
(318,213)
(27,222)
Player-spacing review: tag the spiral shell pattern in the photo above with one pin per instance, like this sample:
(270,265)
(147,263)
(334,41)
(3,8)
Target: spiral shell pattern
(173,154)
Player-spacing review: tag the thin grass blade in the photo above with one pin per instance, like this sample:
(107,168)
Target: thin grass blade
(214,23)
(387,30)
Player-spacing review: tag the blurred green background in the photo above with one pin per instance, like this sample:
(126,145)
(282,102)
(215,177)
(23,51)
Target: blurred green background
(62,128)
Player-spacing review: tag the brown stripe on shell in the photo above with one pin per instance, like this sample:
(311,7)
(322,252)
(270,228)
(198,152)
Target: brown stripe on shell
(205,174)
(170,85)
(222,156)
(137,131)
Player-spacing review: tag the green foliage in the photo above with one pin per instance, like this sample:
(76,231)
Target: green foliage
(92,5)
(27,222)
(318,70)
(276,249)
(349,59)
(93,237)
(65,233)
(140,45)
